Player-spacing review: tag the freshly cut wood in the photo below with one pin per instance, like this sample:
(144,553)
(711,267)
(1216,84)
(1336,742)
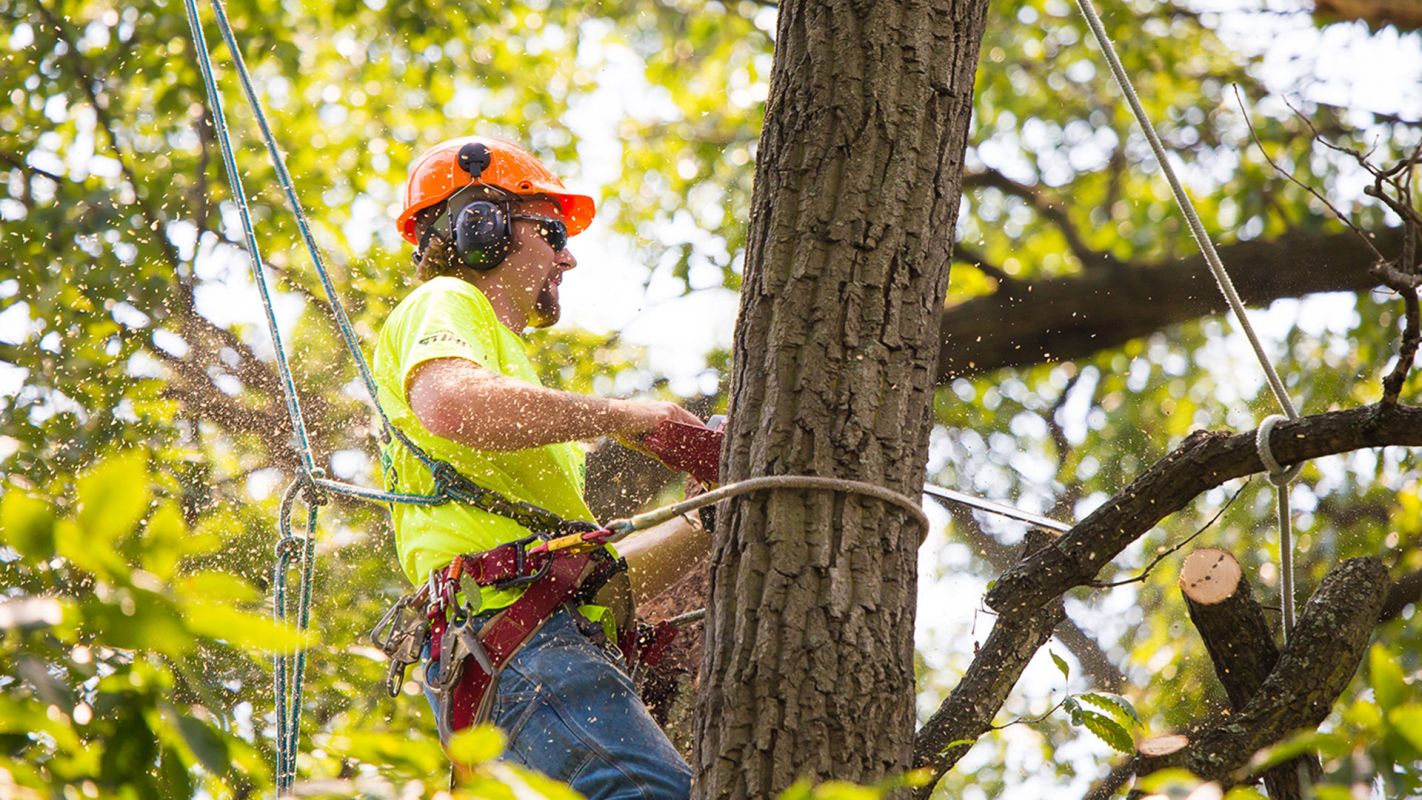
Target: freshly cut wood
(1232,624)
(1209,576)
(1163,745)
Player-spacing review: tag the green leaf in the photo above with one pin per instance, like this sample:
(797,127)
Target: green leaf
(1109,731)
(477,745)
(27,524)
(114,496)
(206,745)
(215,586)
(1061,665)
(1389,686)
(163,540)
(252,632)
(1407,723)
(1117,706)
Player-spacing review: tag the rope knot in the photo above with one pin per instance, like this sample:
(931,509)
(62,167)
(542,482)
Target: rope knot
(445,477)
(287,546)
(311,491)
(1278,474)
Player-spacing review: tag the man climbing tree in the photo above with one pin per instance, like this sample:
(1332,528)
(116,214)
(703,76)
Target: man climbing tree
(492,226)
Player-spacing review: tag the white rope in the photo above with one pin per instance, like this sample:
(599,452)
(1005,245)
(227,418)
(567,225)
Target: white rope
(1281,477)
(1197,229)
(1278,476)
(625,527)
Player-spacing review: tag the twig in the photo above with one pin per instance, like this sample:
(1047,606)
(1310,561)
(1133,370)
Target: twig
(1290,176)
(1407,353)
(1152,565)
(1049,207)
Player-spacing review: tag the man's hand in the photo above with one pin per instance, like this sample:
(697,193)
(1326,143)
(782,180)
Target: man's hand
(641,417)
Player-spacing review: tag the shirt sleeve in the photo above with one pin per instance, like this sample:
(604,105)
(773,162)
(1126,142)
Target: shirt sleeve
(447,322)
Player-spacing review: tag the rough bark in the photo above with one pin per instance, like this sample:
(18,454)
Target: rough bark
(1203,461)
(1059,319)
(967,713)
(1313,670)
(808,665)
(1238,639)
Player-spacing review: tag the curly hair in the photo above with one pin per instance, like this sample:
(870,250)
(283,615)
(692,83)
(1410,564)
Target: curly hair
(438,256)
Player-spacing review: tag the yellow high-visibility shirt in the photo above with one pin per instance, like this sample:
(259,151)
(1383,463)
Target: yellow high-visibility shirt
(450,318)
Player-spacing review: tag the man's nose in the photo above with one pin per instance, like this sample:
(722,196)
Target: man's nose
(566,260)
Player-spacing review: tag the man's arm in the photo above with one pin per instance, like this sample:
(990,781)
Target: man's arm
(459,400)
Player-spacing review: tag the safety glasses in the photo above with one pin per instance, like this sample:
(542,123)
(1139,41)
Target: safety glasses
(553,231)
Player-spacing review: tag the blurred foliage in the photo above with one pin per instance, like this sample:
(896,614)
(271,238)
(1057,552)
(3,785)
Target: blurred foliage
(124,270)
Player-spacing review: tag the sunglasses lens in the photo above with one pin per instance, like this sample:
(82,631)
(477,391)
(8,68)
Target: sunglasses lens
(555,233)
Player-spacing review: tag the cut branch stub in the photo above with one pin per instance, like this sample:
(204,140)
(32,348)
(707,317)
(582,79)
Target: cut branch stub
(1163,745)
(1238,638)
(1232,624)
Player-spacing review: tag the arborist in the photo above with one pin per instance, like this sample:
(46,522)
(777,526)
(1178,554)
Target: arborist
(509,632)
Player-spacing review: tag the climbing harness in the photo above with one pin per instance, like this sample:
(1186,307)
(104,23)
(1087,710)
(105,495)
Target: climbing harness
(1278,476)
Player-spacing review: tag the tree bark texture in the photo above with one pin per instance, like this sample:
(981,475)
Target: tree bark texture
(1315,667)
(808,664)
(1059,319)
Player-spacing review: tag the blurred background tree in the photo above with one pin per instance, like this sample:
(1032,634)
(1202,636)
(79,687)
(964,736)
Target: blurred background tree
(127,325)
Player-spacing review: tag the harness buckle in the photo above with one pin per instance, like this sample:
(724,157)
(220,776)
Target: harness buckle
(520,547)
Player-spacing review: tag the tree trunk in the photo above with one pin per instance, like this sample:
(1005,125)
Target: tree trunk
(808,664)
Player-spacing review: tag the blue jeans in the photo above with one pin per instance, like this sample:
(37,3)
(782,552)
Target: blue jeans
(571,713)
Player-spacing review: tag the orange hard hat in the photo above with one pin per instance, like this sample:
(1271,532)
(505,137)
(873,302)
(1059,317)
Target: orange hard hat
(438,173)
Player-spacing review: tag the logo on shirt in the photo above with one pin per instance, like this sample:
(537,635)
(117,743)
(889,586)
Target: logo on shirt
(443,337)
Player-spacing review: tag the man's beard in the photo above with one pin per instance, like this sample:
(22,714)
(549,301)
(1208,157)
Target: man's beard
(546,309)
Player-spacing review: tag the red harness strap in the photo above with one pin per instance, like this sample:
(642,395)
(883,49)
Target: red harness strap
(467,702)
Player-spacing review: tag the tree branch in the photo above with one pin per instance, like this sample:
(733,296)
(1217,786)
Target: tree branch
(1203,461)
(1059,319)
(1051,208)
(1239,641)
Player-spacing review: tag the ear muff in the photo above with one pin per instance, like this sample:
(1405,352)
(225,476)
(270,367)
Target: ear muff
(483,234)
(481,231)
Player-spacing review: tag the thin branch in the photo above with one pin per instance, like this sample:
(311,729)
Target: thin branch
(1292,179)
(1049,207)
(1407,353)
(1144,573)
